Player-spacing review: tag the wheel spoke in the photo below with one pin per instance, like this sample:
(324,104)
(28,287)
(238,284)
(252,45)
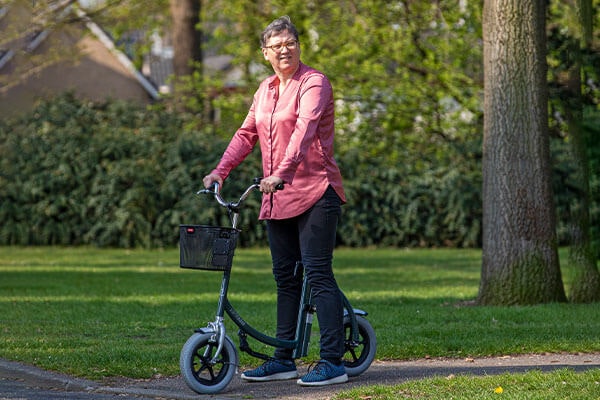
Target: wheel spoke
(211,371)
(352,353)
(203,363)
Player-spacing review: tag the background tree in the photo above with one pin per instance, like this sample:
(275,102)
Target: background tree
(189,93)
(574,20)
(520,257)
(187,36)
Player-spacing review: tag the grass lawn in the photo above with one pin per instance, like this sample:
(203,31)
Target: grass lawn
(95,312)
(534,385)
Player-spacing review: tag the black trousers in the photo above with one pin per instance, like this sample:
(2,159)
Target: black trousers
(309,238)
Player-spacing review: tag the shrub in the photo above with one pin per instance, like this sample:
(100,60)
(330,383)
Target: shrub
(113,174)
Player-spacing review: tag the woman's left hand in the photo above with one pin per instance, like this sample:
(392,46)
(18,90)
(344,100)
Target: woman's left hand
(270,183)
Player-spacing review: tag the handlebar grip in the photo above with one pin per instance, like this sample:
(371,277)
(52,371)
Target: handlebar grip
(212,190)
(257,180)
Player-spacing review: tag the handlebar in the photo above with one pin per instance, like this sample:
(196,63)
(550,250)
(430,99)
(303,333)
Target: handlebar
(233,206)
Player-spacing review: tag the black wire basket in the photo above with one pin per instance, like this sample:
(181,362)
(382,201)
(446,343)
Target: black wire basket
(207,247)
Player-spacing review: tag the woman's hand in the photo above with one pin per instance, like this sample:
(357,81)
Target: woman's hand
(209,179)
(270,183)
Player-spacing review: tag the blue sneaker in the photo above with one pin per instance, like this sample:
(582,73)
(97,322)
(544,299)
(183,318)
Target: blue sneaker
(324,373)
(273,369)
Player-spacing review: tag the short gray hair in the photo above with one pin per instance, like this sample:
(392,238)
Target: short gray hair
(279,25)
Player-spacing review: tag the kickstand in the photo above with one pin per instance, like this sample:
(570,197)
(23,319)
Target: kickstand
(245,347)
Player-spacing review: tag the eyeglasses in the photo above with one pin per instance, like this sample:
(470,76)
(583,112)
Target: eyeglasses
(277,48)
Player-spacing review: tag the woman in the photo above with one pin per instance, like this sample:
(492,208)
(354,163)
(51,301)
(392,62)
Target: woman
(292,117)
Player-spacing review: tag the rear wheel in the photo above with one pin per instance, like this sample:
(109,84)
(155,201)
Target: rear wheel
(359,355)
(201,373)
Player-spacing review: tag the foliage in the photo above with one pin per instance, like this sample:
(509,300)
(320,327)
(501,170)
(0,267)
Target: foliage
(564,36)
(131,23)
(114,174)
(400,86)
(408,81)
(104,174)
(392,206)
(592,127)
(117,175)
(407,107)
(407,78)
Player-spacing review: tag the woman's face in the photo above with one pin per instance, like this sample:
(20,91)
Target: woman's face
(286,59)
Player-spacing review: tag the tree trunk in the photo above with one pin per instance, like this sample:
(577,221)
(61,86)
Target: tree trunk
(586,284)
(187,38)
(520,258)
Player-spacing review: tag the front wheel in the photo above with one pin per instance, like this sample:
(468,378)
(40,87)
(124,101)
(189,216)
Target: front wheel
(358,356)
(200,372)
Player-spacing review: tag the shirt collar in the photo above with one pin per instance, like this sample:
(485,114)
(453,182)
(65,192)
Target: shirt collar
(274,80)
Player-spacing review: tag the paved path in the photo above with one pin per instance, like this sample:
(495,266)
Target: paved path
(20,382)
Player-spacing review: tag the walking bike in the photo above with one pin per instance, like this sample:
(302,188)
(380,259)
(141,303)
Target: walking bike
(209,359)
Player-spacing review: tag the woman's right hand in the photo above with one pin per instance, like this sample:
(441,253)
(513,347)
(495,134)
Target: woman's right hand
(209,179)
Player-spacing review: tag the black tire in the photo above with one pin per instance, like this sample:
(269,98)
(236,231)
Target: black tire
(359,356)
(199,373)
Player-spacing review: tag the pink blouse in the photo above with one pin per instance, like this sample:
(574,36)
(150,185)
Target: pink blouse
(295,130)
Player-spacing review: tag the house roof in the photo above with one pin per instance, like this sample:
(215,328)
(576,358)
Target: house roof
(38,60)
(41,57)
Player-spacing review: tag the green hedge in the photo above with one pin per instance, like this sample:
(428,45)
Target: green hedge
(111,174)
